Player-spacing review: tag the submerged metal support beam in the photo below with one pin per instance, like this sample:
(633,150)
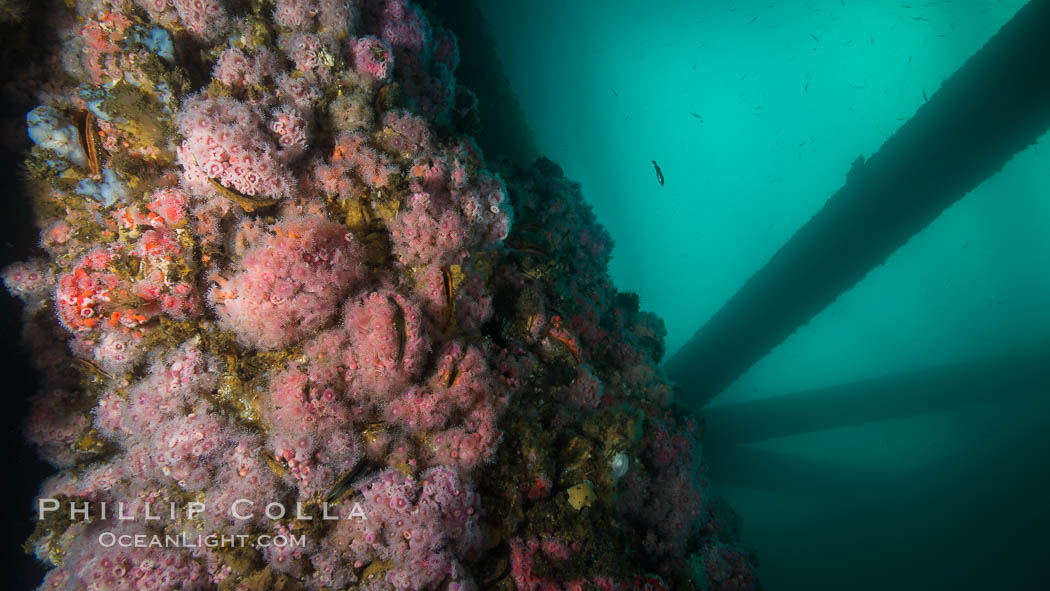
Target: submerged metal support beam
(783,473)
(997,104)
(938,389)
(504,132)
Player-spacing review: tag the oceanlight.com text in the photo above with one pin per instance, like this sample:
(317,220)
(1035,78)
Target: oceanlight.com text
(110,539)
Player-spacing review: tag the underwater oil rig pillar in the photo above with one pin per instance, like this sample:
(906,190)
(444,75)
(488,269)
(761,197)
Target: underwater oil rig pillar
(504,131)
(994,106)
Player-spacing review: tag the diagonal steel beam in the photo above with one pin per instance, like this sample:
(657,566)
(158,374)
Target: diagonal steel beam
(997,104)
(504,131)
(986,381)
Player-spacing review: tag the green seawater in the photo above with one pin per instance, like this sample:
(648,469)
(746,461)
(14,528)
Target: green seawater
(754,111)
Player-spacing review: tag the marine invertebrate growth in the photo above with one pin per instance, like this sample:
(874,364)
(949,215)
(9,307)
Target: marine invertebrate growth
(290,283)
(286,301)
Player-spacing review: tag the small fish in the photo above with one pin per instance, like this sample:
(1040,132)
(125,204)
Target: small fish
(247,202)
(527,249)
(659,173)
(345,483)
(89,142)
(446,277)
(400,327)
(806,89)
(695,116)
(814,37)
(924,97)
(614,92)
(450,379)
(92,367)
